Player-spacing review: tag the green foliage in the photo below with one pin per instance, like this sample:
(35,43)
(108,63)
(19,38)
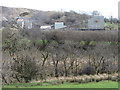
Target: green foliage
(82,42)
(92,43)
(39,42)
(112,26)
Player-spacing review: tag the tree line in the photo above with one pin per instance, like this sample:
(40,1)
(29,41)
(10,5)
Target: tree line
(36,55)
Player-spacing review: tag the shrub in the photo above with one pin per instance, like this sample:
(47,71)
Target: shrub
(87,70)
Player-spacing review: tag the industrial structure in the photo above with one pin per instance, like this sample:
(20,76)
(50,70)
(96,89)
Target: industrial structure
(24,22)
(59,25)
(96,22)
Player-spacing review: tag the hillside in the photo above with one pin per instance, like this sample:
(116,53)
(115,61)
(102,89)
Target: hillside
(71,19)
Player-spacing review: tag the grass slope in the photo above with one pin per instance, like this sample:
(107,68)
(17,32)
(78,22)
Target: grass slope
(102,84)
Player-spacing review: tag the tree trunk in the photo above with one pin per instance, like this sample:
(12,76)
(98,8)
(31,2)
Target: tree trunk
(4,79)
(66,73)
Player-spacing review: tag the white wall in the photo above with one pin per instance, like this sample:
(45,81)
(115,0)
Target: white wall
(59,25)
(96,22)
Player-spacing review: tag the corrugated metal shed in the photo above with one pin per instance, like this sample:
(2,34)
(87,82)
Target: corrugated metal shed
(59,25)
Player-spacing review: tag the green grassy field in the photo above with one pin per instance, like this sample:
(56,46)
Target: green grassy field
(101,84)
(113,26)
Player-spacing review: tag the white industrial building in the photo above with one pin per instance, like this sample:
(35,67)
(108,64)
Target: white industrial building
(59,25)
(96,22)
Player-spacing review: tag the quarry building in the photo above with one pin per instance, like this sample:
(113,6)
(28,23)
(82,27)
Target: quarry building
(94,23)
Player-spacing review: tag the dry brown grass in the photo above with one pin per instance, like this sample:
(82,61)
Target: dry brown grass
(85,78)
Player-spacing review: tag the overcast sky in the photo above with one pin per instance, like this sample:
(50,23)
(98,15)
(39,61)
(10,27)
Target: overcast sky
(106,7)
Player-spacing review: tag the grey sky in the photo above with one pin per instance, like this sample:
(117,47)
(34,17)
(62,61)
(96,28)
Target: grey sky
(106,7)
